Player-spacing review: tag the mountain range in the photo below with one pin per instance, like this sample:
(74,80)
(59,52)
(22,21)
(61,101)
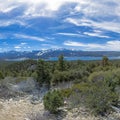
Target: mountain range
(46,54)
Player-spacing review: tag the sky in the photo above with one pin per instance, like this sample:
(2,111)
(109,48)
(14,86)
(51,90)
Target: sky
(89,25)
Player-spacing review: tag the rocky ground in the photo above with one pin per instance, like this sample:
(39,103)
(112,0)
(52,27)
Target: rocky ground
(17,109)
(23,101)
(23,108)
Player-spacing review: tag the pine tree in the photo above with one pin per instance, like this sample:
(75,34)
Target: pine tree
(1,75)
(61,66)
(105,61)
(43,75)
(53,100)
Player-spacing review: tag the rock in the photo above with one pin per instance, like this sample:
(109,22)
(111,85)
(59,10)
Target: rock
(26,119)
(1,106)
(35,100)
(10,100)
(13,109)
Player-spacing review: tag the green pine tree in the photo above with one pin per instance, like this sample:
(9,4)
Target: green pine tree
(61,66)
(43,74)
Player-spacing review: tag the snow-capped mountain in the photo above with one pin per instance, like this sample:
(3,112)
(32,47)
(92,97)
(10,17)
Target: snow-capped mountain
(45,54)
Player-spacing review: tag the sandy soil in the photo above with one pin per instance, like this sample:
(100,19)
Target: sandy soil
(19,110)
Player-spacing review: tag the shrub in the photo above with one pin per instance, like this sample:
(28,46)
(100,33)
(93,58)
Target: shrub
(79,94)
(66,92)
(59,77)
(110,78)
(72,75)
(36,116)
(100,98)
(52,101)
(1,75)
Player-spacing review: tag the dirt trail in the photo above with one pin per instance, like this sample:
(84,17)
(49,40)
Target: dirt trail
(17,110)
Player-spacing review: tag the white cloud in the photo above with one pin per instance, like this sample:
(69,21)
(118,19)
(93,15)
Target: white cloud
(22,46)
(69,34)
(23,43)
(28,37)
(105,25)
(17,47)
(108,46)
(34,7)
(103,14)
(5,23)
(96,33)
(88,8)
(51,46)
(7,9)
(98,14)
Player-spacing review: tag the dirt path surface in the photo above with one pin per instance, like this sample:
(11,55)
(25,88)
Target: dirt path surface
(17,110)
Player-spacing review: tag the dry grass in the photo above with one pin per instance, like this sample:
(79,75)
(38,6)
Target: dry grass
(17,110)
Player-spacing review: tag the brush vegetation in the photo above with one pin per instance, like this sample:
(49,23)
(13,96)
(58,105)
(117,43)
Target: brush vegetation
(95,84)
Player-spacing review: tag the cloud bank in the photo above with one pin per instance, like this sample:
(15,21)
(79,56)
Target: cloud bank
(88,24)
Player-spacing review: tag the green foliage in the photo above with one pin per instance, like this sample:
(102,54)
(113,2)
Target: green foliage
(43,74)
(111,77)
(61,66)
(52,101)
(105,61)
(21,68)
(100,98)
(1,75)
(77,75)
(96,83)
(66,92)
(34,75)
(58,77)
(79,94)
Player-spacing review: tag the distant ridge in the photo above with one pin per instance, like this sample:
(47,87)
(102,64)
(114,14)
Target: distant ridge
(37,54)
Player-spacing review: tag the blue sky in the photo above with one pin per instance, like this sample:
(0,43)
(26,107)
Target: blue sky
(27,25)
